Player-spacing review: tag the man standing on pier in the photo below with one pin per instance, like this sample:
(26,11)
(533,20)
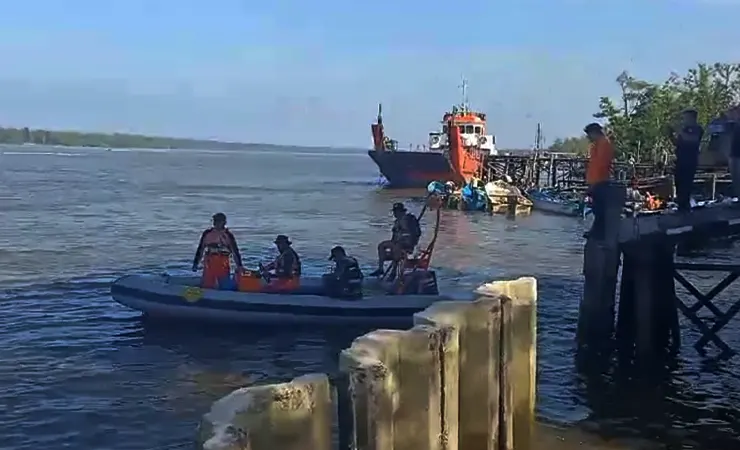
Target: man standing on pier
(686,141)
(732,128)
(598,173)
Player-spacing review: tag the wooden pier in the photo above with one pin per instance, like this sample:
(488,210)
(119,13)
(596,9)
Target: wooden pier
(565,170)
(647,323)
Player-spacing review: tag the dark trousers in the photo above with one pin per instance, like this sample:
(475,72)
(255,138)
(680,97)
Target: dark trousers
(599,193)
(684,181)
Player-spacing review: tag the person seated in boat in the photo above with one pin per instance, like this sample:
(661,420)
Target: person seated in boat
(285,271)
(345,278)
(405,236)
(216,247)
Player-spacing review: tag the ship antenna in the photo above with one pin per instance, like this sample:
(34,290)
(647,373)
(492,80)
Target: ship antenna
(464,88)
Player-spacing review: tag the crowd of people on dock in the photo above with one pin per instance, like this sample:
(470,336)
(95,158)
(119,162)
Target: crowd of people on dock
(724,138)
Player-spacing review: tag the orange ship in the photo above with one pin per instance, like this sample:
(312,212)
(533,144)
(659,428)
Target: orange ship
(456,153)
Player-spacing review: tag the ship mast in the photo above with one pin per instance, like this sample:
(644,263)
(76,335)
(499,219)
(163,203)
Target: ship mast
(538,139)
(464,88)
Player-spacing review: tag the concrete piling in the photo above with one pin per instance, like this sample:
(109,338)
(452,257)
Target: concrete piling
(291,416)
(461,378)
(523,295)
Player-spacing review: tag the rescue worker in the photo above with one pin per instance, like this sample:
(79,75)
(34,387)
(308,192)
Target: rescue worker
(345,279)
(405,236)
(217,245)
(686,140)
(286,269)
(598,173)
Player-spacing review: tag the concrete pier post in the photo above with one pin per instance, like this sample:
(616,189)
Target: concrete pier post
(372,365)
(480,360)
(291,416)
(449,318)
(523,295)
(417,421)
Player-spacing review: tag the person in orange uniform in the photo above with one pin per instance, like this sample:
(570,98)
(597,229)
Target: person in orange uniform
(286,269)
(217,246)
(598,173)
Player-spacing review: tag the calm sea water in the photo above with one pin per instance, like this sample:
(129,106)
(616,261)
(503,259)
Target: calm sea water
(80,371)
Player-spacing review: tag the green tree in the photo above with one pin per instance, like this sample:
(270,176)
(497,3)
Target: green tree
(639,120)
(639,123)
(576,145)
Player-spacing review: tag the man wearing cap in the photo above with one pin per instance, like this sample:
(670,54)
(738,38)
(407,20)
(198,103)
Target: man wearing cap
(686,140)
(405,236)
(598,173)
(217,245)
(286,267)
(345,280)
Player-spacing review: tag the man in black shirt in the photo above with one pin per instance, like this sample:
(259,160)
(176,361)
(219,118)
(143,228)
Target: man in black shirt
(687,141)
(732,126)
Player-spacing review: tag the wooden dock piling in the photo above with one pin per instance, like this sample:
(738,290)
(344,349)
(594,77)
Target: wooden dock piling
(647,322)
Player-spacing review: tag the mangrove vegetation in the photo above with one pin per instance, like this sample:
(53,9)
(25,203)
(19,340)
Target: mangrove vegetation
(638,121)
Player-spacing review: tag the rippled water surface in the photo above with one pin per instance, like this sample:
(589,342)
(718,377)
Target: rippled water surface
(80,371)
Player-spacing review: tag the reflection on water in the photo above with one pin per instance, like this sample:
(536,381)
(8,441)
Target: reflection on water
(83,372)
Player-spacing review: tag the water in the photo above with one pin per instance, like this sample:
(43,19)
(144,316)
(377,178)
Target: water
(80,371)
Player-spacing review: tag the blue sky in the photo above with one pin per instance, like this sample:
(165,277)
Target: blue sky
(299,72)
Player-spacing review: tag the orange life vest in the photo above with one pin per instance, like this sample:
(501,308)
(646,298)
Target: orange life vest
(217,241)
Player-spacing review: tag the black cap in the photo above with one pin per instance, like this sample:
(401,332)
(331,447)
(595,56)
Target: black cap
(338,250)
(282,239)
(398,207)
(219,217)
(593,127)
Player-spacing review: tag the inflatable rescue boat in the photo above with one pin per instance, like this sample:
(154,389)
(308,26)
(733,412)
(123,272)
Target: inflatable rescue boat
(384,300)
(180,297)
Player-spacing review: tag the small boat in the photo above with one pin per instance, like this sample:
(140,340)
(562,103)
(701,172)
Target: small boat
(504,196)
(180,297)
(554,201)
(384,300)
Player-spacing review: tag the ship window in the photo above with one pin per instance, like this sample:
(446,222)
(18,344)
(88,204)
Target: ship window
(468,129)
(478,130)
(444,128)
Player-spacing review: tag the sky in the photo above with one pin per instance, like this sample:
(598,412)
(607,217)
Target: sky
(312,72)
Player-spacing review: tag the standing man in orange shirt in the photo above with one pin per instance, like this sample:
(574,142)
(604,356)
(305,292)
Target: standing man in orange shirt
(598,173)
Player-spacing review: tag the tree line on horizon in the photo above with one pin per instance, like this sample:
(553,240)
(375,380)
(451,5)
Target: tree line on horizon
(639,120)
(20,136)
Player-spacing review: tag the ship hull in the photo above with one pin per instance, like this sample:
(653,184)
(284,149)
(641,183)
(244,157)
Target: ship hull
(412,169)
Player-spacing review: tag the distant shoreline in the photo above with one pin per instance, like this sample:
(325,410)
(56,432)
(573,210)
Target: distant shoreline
(21,136)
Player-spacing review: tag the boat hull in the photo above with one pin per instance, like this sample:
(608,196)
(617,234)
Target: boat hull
(561,209)
(179,298)
(412,169)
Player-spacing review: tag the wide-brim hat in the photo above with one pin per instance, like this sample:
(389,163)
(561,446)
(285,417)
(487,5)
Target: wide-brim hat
(398,207)
(282,239)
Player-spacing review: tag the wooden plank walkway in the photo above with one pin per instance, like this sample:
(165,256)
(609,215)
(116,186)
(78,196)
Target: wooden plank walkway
(721,218)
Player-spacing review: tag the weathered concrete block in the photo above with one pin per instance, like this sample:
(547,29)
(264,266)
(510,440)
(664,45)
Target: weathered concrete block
(371,363)
(449,318)
(291,416)
(479,375)
(395,378)
(418,417)
(523,295)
